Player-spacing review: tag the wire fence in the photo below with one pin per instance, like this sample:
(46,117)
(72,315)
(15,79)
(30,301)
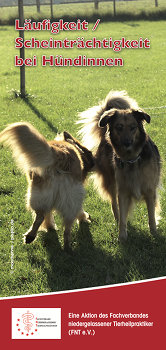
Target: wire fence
(142,3)
(108,9)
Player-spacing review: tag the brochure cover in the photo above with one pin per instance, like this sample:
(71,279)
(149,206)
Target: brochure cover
(82,191)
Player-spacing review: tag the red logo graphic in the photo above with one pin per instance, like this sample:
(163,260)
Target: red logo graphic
(27,325)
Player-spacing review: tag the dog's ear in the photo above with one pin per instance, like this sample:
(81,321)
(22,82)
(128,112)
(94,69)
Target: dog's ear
(141,115)
(67,136)
(106,117)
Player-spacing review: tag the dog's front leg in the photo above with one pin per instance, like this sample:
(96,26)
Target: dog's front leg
(115,208)
(31,235)
(151,204)
(124,205)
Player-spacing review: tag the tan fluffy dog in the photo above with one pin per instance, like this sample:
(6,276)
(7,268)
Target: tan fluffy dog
(55,171)
(127,160)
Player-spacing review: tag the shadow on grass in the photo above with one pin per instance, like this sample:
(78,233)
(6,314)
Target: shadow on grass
(6,192)
(141,257)
(39,114)
(10,73)
(84,266)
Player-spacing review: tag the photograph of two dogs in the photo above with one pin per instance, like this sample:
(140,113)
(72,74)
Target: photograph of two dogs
(113,145)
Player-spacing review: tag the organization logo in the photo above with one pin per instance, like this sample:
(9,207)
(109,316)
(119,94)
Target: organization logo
(36,323)
(27,324)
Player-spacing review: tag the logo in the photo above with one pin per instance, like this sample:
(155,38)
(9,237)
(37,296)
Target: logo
(27,325)
(36,323)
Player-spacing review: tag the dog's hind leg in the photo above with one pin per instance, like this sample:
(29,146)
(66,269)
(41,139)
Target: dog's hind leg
(124,206)
(150,199)
(67,232)
(31,235)
(48,222)
(83,216)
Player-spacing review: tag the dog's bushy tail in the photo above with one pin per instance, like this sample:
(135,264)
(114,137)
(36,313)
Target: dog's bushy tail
(30,149)
(90,132)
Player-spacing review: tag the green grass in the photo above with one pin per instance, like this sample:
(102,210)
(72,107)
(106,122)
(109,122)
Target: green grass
(55,97)
(144,9)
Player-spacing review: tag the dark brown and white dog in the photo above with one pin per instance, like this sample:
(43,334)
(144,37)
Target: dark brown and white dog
(127,160)
(55,172)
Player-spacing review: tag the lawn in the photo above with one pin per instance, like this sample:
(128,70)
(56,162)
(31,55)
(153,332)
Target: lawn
(55,96)
(138,9)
